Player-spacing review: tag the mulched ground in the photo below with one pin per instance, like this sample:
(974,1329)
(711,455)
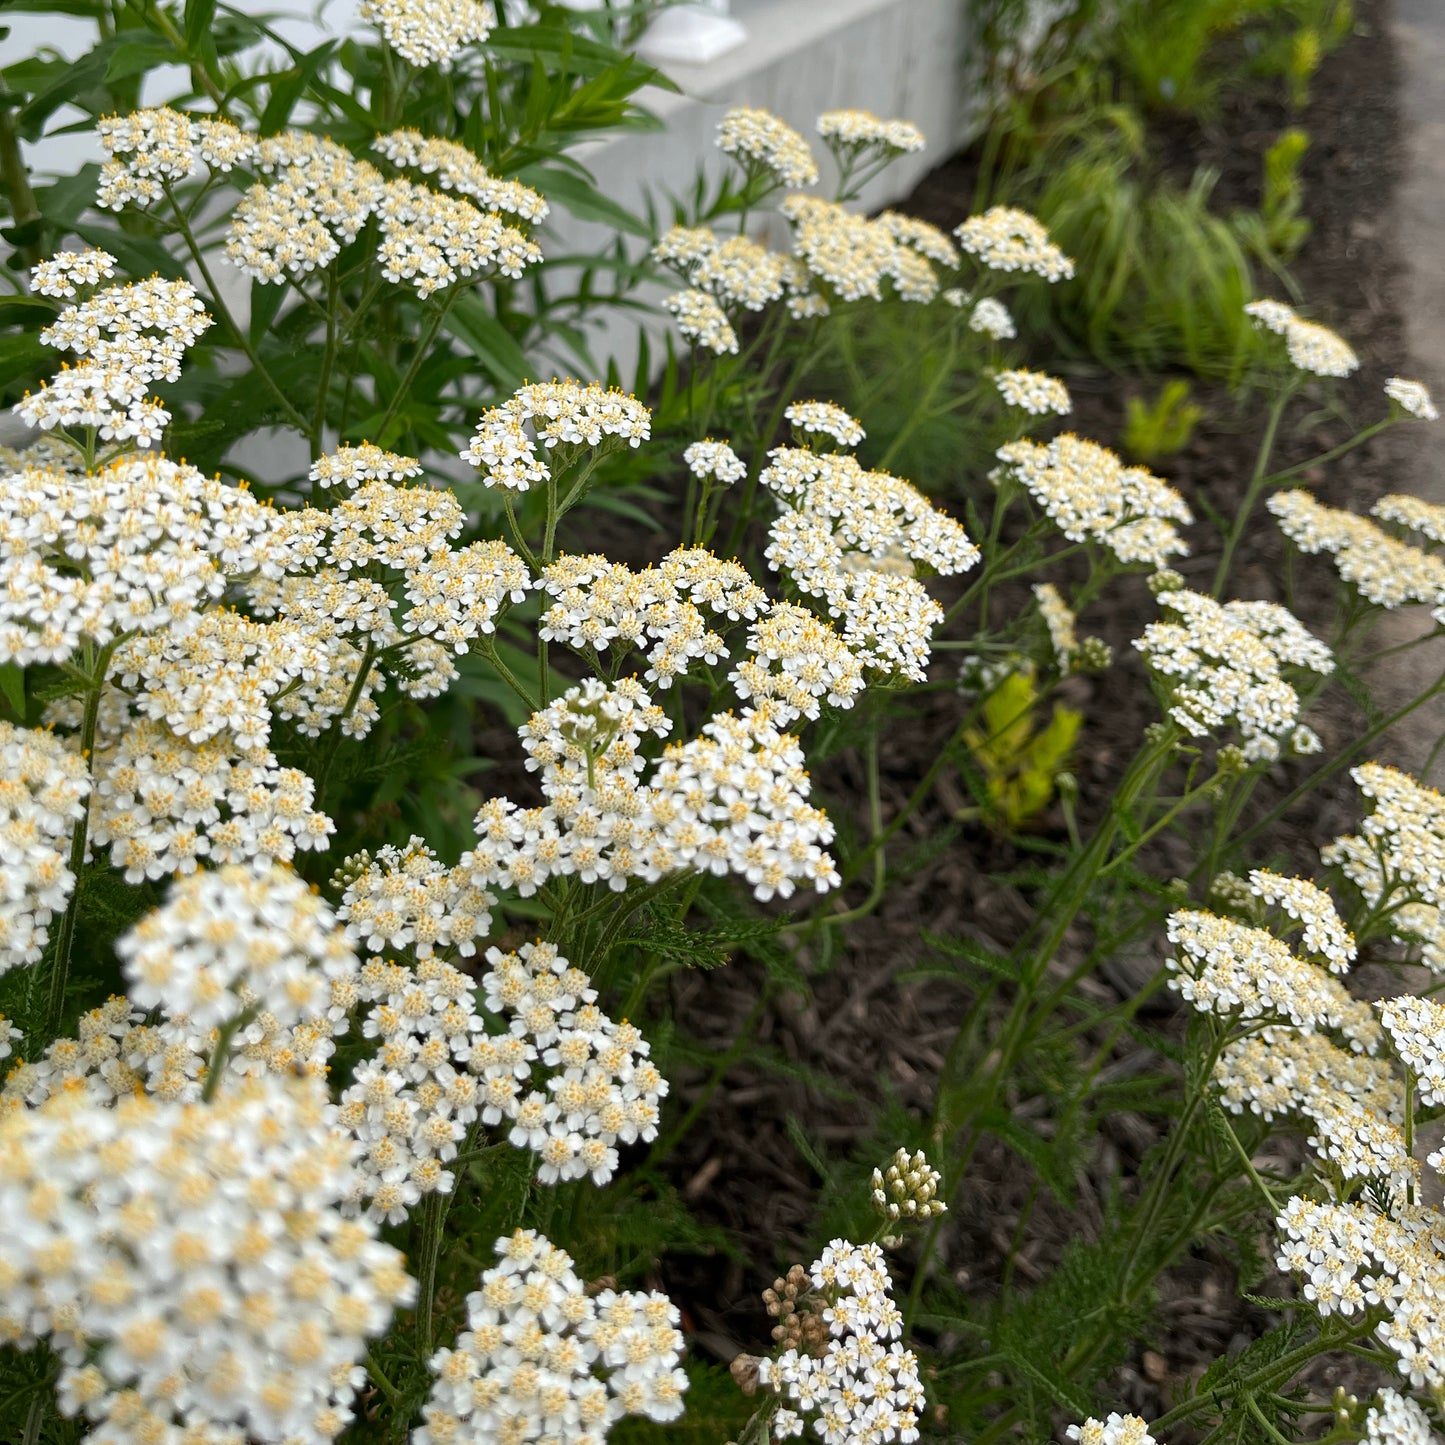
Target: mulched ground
(875,1035)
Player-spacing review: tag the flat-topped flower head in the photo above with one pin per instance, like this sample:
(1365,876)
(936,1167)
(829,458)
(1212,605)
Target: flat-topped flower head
(758,137)
(555,415)
(990,317)
(136,547)
(227,938)
(1396,1419)
(851,257)
(43,789)
(1413,513)
(813,417)
(861,129)
(349,466)
(1323,932)
(1008,239)
(920,236)
(1223,665)
(1116,1430)
(717,460)
(67,270)
(702,321)
(1238,972)
(548,1357)
(1382,568)
(1412,397)
(190,1262)
(430,32)
(1398,858)
(1034,392)
(1091,496)
(458,169)
(847,1351)
(1311,347)
(1416,1027)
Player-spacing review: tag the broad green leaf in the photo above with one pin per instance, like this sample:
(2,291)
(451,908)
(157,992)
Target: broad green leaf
(12,684)
(583,199)
(74,77)
(199,16)
(473,324)
(133,57)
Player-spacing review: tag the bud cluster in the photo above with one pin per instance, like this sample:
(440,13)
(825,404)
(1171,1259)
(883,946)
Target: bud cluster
(799,1327)
(908,1188)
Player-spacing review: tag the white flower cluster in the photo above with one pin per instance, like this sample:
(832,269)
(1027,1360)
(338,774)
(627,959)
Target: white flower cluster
(759,138)
(349,466)
(331,579)
(991,318)
(1383,569)
(1413,513)
(1235,971)
(1413,397)
(162,805)
(1311,347)
(135,547)
(149,149)
(126,338)
(1034,392)
(733,800)
(1416,1027)
(813,417)
(1008,239)
(1222,664)
(1281,1070)
(1352,1256)
(1324,934)
(116,1053)
(1116,1430)
(526,1369)
(864,1389)
(599,606)
(407,898)
(851,257)
(1398,1420)
(318,196)
(861,129)
(412,1102)
(430,32)
(564,418)
(1060,622)
(235,941)
(65,270)
(1397,860)
(433,240)
(703,321)
(920,236)
(1091,496)
(43,787)
(190,1265)
(857,539)
(716,460)
(457,169)
(599,1088)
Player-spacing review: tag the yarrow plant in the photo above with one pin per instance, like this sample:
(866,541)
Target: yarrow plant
(380,803)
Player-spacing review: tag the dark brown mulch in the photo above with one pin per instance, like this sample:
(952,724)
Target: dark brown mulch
(870,1036)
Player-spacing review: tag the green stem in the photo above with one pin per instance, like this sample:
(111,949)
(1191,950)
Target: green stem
(15,177)
(363,671)
(876,846)
(243,339)
(1249,1169)
(374,1369)
(79,833)
(216,1064)
(489,651)
(1374,429)
(1257,485)
(423,346)
(328,360)
(426,1275)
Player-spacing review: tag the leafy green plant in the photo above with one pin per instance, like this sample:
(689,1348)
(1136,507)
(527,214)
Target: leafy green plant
(1019,755)
(1161,428)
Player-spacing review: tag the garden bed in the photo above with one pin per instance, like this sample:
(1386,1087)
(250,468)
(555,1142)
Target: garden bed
(862,1037)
